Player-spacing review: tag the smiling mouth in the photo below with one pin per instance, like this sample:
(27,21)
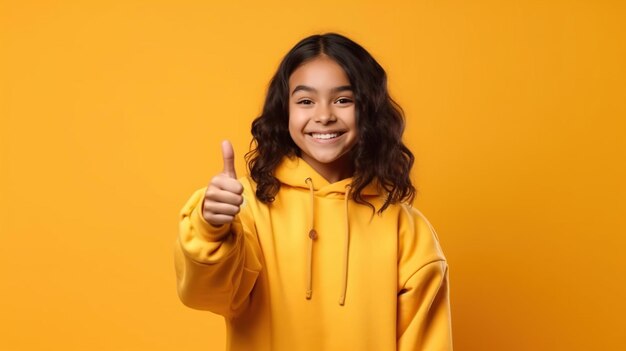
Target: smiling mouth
(325,136)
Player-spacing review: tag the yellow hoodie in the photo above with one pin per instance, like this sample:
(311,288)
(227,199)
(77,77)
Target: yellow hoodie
(316,271)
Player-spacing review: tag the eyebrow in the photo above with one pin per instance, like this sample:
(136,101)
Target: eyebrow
(313,90)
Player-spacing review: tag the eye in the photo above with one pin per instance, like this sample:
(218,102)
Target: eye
(304,102)
(343,101)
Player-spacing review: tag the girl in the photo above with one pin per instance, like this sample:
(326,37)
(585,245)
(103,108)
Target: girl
(317,249)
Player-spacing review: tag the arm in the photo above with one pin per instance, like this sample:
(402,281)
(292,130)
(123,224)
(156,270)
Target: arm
(216,267)
(217,257)
(423,321)
(424,310)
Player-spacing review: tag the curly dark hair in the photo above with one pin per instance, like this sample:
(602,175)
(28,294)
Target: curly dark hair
(379,154)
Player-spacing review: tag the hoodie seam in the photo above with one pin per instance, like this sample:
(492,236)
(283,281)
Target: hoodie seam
(439,260)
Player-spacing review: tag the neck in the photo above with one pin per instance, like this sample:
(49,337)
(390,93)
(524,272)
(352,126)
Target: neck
(334,171)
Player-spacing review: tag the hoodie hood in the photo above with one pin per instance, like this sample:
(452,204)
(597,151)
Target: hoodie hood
(294,172)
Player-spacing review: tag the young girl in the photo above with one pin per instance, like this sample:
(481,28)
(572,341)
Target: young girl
(317,249)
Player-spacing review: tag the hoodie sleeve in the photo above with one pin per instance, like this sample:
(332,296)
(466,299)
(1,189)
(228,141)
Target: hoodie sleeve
(423,321)
(216,267)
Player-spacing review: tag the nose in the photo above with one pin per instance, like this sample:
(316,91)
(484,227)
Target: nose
(324,114)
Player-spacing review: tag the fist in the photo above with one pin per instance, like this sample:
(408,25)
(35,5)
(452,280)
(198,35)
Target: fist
(223,199)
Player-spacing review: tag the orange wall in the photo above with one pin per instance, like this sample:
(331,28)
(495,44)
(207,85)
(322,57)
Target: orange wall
(111,114)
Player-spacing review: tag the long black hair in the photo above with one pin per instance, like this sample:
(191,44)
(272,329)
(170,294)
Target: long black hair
(379,154)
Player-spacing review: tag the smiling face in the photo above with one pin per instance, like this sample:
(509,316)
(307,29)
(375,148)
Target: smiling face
(322,119)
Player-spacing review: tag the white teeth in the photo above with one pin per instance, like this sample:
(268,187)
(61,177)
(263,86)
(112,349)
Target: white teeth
(324,136)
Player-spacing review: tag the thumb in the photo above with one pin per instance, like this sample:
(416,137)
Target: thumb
(229,159)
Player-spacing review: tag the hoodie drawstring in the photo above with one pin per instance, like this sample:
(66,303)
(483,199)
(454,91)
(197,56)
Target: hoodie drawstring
(313,236)
(346,251)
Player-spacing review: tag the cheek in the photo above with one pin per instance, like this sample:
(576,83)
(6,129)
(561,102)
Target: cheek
(293,125)
(291,121)
(291,129)
(296,120)
(350,118)
(351,121)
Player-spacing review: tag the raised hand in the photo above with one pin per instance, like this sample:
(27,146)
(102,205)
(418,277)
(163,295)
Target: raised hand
(223,198)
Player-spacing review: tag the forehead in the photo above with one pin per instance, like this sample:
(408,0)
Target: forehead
(320,72)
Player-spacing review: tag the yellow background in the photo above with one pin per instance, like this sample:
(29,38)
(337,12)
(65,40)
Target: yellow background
(112,113)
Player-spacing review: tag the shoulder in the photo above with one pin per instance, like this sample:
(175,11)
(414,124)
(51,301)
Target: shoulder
(417,239)
(417,219)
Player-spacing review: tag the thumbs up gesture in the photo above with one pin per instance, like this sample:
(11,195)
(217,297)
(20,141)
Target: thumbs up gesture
(223,198)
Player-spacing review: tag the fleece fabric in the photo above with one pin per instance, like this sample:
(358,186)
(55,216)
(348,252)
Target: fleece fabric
(315,270)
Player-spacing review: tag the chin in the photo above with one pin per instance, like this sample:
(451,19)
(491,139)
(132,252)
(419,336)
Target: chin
(327,159)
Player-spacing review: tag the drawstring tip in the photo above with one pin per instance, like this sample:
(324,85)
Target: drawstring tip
(342,300)
(308,294)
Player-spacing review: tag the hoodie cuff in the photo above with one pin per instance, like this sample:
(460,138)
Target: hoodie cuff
(209,232)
